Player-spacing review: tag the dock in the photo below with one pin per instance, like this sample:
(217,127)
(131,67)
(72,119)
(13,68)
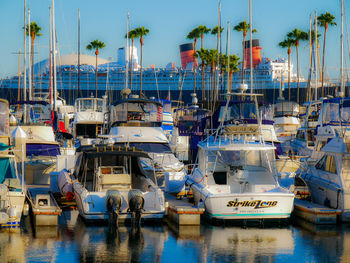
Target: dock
(315,213)
(181,212)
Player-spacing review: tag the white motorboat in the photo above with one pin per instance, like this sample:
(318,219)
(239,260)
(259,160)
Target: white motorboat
(236,178)
(286,120)
(304,141)
(329,179)
(110,183)
(334,120)
(137,123)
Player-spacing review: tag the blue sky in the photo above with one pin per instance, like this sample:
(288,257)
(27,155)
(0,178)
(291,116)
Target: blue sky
(169,22)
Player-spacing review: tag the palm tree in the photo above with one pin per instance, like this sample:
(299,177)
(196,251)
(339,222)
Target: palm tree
(212,59)
(325,20)
(233,67)
(288,43)
(194,34)
(215,30)
(203,30)
(297,35)
(34,32)
(203,54)
(96,45)
(141,32)
(243,27)
(132,35)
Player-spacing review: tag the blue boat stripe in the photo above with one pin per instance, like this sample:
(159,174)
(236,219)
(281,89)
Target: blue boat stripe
(262,215)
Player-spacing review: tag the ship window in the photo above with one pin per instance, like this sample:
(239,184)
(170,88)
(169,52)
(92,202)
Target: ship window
(327,164)
(300,135)
(320,145)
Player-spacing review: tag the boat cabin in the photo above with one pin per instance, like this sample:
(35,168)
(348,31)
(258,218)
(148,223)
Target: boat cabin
(137,112)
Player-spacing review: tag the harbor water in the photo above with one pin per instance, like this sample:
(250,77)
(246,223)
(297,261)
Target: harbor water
(74,241)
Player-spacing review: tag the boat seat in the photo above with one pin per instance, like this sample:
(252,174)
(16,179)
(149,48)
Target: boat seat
(116,181)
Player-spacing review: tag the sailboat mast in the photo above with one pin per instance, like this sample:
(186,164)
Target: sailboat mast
(228,58)
(54,56)
(315,60)
(342,86)
(25,63)
(30,58)
(251,46)
(217,70)
(78,91)
(127,53)
(50,60)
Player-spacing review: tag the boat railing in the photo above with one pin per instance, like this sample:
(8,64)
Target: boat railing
(220,138)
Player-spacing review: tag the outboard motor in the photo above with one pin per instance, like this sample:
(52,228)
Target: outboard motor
(113,205)
(136,203)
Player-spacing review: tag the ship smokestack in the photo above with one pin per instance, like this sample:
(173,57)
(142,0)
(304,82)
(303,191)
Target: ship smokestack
(256,53)
(187,55)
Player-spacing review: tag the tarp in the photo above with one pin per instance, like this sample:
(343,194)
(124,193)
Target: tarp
(42,149)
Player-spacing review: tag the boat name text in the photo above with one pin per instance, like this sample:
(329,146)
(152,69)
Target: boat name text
(255,203)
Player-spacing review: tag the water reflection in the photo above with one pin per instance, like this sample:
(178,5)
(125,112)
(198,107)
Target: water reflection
(247,245)
(73,241)
(124,244)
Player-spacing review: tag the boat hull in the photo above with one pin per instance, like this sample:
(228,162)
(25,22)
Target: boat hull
(245,206)
(92,205)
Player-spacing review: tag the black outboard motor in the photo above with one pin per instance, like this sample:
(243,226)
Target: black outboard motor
(136,203)
(113,204)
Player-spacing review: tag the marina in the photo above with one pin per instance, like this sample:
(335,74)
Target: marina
(228,157)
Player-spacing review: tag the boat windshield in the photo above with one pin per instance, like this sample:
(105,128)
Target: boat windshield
(89,105)
(247,158)
(4,119)
(140,112)
(286,108)
(245,111)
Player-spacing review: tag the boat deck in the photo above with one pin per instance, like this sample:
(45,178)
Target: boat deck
(315,213)
(181,212)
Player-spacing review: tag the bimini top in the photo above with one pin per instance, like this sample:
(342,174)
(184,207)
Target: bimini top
(335,111)
(108,150)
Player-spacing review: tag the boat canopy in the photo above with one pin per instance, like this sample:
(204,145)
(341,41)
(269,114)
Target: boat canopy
(336,111)
(115,150)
